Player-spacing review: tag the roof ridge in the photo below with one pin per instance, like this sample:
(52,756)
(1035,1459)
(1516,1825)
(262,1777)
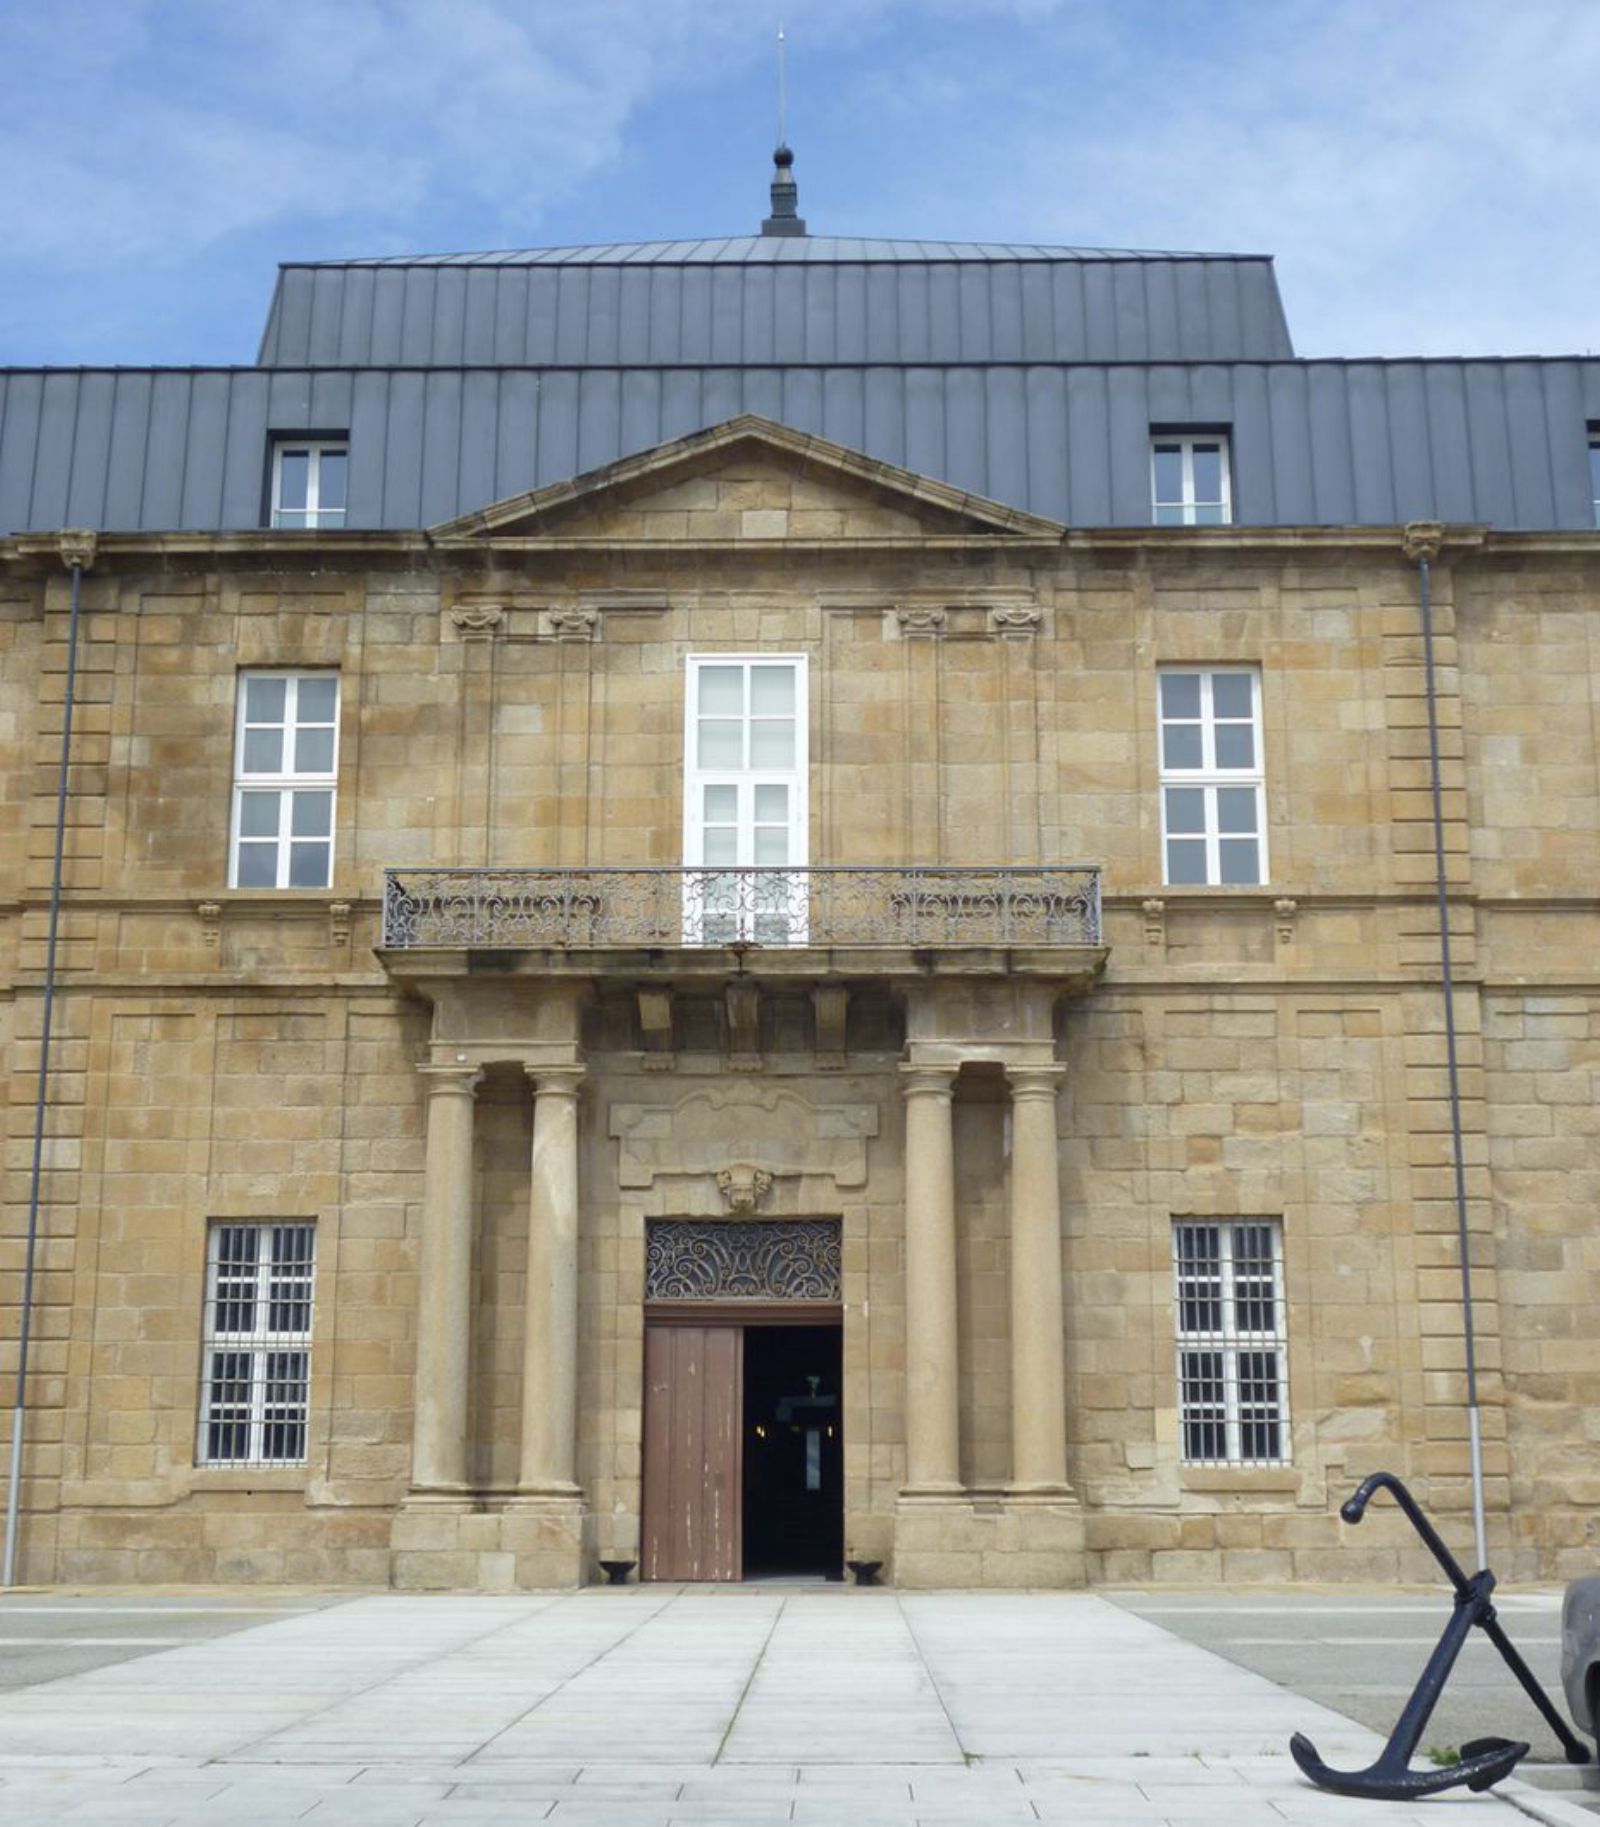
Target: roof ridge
(756,249)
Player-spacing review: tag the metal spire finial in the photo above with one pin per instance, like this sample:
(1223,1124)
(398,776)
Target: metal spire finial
(785,219)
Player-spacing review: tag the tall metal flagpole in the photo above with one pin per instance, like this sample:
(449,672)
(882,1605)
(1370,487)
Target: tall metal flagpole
(781,140)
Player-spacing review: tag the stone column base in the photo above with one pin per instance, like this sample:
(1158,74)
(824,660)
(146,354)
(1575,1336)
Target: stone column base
(525,1544)
(1007,1539)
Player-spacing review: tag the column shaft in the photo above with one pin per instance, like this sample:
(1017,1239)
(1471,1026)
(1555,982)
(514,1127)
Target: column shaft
(1038,1345)
(550,1346)
(933,1416)
(444,1285)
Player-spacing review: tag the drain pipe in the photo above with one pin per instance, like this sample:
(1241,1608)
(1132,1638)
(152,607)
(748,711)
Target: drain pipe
(1422,541)
(77,554)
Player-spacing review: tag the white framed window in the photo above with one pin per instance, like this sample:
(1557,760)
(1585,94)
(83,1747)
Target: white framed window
(1213,788)
(1233,1358)
(1594,470)
(310,479)
(1190,484)
(285,759)
(744,799)
(256,1373)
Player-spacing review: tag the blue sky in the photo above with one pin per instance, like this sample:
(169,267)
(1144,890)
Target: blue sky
(1425,172)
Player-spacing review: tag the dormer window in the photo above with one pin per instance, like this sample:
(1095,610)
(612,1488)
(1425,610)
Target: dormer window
(1189,481)
(1594,470)
(309,477)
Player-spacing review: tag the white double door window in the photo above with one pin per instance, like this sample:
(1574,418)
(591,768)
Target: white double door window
(744,800)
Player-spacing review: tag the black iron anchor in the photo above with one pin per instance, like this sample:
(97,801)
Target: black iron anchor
(1483,1760)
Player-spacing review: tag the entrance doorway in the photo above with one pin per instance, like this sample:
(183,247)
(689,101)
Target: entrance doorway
(743,1445)
(793,1481)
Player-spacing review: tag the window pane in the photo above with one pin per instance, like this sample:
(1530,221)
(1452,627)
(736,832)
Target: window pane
(258,865)
(1209,514)
(721,691)
(720,845)
(263,751)
(313,751)
(772,691)
(258,814)
(772,846)
(720,805)
(1180,745)
(1208,472)
(318,699)
(1239,860)
(294,467)
(1186,810)
(772,805)
(308,865)
(264,700)
(1230,694)
(1186,862)
(312,815)
(1180,694)
(721,744)
(1236,810)
(772,744)
(331,480)
(1167,462)
(1170,515)
(1236,745)
(1594,477)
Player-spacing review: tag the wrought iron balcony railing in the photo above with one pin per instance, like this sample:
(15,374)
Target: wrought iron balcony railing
(541,909)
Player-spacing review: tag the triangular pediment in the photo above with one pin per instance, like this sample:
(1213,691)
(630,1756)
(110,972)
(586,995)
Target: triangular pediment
(749,480)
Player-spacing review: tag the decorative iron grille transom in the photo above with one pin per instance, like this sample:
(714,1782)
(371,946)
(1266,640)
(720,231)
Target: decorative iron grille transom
(721,1260)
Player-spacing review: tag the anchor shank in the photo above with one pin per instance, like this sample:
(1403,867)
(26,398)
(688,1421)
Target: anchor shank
(1408,1728)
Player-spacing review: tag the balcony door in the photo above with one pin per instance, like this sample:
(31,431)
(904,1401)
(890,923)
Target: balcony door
(744,800)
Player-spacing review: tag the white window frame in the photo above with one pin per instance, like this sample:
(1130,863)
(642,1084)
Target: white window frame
(1220,1375)
(753,914)
(313,514)
(1208,777)
(287,780)
(255,1375)
(1188,505)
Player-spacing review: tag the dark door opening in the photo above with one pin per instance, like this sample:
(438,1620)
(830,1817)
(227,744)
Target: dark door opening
(793,1451)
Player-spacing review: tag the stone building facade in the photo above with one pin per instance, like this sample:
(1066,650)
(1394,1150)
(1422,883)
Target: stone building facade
(899,1204)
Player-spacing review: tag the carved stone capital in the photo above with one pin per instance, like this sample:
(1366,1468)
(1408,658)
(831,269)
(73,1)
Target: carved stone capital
(1285,912)
(210,913)
(1015,620)
(920,621)
(477,621)
(572,624)
(743,1187)
(340,915)
(1422,539)
(1155,921)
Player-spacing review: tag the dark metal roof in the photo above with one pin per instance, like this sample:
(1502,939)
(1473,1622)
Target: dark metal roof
(1314,442)
(776,299)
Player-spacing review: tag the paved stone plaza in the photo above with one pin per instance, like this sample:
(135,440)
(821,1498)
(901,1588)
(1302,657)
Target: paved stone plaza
(654,1705)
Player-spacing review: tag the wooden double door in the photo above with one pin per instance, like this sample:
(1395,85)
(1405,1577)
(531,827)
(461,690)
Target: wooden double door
(743,1444)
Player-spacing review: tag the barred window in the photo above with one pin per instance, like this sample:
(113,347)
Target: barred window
(254,1393)
(1233,1378)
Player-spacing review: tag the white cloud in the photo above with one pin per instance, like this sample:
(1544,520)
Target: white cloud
(1424,173)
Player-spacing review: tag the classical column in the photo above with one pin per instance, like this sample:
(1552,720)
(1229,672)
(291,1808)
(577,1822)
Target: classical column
(933,1416)
(550,1343)
(1038,1348)
(444,1284)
